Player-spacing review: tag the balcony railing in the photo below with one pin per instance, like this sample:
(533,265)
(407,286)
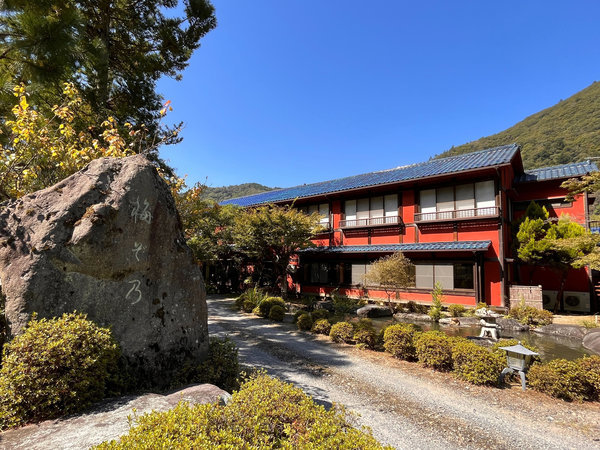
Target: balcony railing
(595,226)
(371,222)
(490,211)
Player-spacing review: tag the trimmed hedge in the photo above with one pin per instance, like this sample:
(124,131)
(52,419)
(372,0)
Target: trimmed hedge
(476,364)
(561,379)
(434,349)
(321,326)
(304,322)
(56,367)
(264,413)
(529,315)
(456,310)
(399,341)
(342,332)
(318,314)
(277,313)
(264,306)
(591,367)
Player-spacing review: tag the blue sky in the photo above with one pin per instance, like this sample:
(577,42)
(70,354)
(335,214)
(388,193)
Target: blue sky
(290,92)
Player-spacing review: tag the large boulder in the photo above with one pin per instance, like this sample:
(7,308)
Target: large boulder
(508,324)
(591,340)
(108,242)
(374,311)
(557,329)
(105,421)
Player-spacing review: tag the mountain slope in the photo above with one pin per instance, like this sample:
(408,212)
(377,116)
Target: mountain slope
(566,132)
(218,194)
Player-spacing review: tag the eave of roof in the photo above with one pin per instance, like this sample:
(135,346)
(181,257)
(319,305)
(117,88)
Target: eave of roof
(453,246)
(563,171)
(493,157)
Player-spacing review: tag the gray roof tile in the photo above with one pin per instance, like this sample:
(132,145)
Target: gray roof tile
(557,172)
(406,248)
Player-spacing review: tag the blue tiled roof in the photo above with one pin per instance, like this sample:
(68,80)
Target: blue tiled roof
(558,172)
(485,158)
(418,247)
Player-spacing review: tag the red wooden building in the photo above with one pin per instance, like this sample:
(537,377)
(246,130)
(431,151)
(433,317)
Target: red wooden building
(451,216)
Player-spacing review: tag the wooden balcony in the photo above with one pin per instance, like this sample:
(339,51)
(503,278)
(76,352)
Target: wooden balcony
(459,214)
(371,222)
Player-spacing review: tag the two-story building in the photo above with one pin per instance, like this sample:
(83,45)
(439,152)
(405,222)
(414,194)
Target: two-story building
(451,216)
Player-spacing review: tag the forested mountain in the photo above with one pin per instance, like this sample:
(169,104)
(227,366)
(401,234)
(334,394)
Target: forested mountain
(218,194)
(566,132)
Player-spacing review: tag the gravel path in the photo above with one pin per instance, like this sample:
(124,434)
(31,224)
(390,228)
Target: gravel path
(405,405)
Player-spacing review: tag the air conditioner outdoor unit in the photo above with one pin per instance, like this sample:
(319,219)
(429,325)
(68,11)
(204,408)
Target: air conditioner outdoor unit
(549,299)
(577,301)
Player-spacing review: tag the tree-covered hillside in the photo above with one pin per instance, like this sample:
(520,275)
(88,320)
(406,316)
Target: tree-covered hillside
(566,132)
(218,194)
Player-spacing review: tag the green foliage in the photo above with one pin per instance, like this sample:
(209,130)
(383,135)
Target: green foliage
(273,233)
(509,343)
(414,307)
(391,273)
(476,364)
(366,338)
(265,305)
(219,194)
(114,52)
(320,314)
(250,299)
(221,366)
(304,322)
(456,310)
(345,305)
(437,295)
(277,313)
(566,132)
(298,314)
(321,326)
(561,379)
(530,315)
(590,366)
(398,340)
(434,349)
(588,324)
(342,332)
(265,413)
(57,367)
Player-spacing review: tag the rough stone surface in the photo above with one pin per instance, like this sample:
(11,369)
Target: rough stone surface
(106,421)
(571,331)
(374,311)
(324,304)
(591,340)
(460,321)
(511,325)
(107,242)
(405,317)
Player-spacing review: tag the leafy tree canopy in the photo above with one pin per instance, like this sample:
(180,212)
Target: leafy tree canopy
(113,51)
(391,273)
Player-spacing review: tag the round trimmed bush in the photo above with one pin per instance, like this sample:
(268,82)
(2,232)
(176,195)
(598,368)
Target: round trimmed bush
(365,338)
(264,307)
(476,364)
(321,326)
(277,313)
(398,340)
(434,349)
(298,314)
(590,365)
(248,305)
(559,378)
(456,310)
(318,314)
(304,322)
(342,332)
(56,367)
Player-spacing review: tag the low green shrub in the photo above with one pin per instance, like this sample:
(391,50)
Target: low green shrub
(456,310)
(398,340)
(434,349)
(476,364)
(264,413)
(250,299)
(318,314)
(321,326)
(221,366)
(345,305)
(561,379)
(366,338)
(265,305)
(435,311)
(298,314)
(342,332)
(364,324)
(277,313)
(57,367)
(413,307)
(590,365)
(529,315)
(304,322)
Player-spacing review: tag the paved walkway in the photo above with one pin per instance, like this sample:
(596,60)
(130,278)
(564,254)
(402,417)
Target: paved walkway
(405,405)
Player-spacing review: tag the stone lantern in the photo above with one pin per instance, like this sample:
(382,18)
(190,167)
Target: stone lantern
(518,360)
